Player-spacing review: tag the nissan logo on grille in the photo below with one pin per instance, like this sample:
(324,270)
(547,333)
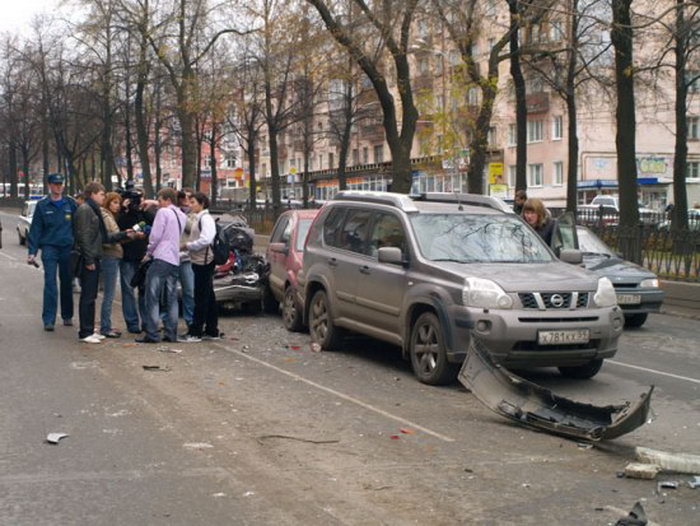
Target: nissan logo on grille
(556,300)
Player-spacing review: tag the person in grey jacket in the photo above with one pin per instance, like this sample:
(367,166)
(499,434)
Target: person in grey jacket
(90,235)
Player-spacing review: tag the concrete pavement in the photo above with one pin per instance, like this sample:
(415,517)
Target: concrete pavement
(315,438)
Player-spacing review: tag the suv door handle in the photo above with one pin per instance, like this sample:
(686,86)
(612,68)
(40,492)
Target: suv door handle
(364,269)
(332,262)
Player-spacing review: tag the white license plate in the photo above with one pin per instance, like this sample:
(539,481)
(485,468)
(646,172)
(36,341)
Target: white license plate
(563,337)
(629,299)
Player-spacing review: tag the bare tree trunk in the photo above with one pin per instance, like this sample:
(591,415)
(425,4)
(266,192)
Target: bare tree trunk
(252,183)
(142,134)
(625,138)
(158,147)
(127,134)
(212,160)
(520,97)
(680,160)
(25,168)
(12,159)
(45,153)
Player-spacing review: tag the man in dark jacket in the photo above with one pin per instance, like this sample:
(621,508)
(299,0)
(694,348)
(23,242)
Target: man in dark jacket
(90,234)
(52,233)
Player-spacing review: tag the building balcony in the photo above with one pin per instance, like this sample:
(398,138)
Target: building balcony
(372,133)
(537,102)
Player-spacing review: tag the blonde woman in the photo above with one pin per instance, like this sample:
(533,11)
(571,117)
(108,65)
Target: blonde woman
(112,255)
(536,215)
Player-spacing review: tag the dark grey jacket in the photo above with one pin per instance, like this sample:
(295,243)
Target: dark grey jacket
(90,234)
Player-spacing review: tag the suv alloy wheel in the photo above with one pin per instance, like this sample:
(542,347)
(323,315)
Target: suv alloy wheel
(428,356)
(321,327)
(290,312)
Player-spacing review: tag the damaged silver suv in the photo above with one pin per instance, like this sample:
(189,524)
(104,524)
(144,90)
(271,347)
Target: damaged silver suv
(422,272)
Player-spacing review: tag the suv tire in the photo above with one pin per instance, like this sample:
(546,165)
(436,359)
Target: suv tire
(291,314)
(635,320)
(321,327)
(428,354)
(583,372)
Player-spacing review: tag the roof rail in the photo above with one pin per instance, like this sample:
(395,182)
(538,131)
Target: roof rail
(465,199)
(402,201)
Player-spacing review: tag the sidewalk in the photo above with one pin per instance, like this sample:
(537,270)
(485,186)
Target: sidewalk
(682,299)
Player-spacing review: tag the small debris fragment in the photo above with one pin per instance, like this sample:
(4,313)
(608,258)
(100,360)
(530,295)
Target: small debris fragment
(694,482)
(668,484)
(217,495)
(315,347)
(249,494)
(293,347)
(156,368)
(635,470)
(197,445)
(584,445)
(168,350)
(397,379)
(407,431)
(636,517)
(525,485)
(53,438)
(298,439)
(394,437)
(468,470)
(620,474)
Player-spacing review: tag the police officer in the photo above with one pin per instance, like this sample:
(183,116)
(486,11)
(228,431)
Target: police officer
(52,233)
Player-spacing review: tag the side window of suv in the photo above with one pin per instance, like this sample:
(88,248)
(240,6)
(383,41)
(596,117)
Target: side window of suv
(353,236)
(283,226)
(331,226)
(387,232)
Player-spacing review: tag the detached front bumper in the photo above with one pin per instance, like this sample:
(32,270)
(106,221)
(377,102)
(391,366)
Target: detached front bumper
(511,336)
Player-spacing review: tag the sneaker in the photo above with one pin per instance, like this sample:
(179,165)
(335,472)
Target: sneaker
(134,330)
(48,327)
(68,323)
(209,337)
(145,339)
(112,333)
(190,339)
(90,339)
(99,336)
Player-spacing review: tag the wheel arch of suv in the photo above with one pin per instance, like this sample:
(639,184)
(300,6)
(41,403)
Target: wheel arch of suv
(416,307)
(318,283)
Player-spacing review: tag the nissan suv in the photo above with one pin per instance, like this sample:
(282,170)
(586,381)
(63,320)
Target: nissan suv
(423,272)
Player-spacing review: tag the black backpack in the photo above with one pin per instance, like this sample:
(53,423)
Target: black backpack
(219,247)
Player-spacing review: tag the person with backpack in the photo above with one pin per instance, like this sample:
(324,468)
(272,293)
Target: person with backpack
(200,246)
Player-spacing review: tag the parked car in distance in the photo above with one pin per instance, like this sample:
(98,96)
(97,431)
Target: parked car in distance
(285,257)
(25,221)
(424,272)
(637,289)
(609,205)
(693,221)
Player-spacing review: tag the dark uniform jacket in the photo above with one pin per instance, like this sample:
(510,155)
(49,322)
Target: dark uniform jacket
(90,232)
(52,224)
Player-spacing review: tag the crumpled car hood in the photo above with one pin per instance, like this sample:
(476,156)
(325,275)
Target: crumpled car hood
(539,408)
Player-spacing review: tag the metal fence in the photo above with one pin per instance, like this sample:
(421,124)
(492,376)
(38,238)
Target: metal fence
(653,243)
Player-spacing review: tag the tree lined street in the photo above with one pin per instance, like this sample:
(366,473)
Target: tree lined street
(257,428)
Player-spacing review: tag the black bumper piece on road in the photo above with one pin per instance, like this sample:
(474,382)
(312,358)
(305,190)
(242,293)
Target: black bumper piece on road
(539,408)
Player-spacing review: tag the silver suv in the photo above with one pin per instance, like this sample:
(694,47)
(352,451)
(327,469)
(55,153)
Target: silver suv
(423,272)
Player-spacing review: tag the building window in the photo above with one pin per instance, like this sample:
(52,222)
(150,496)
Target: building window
(355,157)
(438,66)
(693,127)
(693,170)
(557,128)
(423,66)
(558,176)
(492,136)
(512,172)
(693,80)
(535,175)
(473,96)
(556,33)
(534,131)
(512,135)
(365,155)
(379,153)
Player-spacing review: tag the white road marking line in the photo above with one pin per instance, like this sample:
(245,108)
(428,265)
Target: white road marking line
(654,371)
(343,396)
(8,256)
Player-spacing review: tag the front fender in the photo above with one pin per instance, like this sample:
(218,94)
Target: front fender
(438,301)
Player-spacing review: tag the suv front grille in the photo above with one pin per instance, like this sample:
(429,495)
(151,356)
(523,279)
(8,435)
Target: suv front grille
(553,300)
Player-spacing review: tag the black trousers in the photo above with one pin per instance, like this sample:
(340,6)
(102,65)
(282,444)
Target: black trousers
(89,282)
(205,310)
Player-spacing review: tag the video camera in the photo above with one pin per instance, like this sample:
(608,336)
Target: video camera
(131,193)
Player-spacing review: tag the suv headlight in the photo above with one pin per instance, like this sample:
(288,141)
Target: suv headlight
(651,283)
(605,294)
(485,294)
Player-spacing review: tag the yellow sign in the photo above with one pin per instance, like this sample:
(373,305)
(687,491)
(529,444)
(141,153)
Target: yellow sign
(292,170)
(496,173)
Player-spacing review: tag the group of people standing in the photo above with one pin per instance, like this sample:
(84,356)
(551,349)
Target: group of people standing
(104,239)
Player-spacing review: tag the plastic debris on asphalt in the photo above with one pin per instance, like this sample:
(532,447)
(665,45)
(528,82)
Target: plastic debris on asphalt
(197,445)
(694,482)
(315,347)
(156,368)
(636,517)
(168,350)
(54,438)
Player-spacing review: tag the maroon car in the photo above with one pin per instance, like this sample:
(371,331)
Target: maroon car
(285,255)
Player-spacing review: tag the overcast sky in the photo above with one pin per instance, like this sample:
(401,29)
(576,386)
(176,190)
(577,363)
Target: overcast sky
(15,15)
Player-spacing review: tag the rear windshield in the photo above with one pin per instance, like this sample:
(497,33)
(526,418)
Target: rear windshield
(302,231)
(467,238)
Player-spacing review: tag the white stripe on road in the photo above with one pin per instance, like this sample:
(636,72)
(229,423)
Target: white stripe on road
(8,256)
(340,395)
(654,371)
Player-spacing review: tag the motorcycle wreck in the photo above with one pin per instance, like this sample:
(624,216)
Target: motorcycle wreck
(241,281)
(539,408)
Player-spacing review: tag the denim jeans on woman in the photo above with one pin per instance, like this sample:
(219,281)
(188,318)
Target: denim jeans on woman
(161,281)
(134,311)
(109,271)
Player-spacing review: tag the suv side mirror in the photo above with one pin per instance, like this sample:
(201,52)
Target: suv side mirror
(571,255)
(392,255)
(279,248)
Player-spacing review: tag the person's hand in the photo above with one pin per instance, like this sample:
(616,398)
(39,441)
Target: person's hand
(183,247)
(139,235)
(145,258)
(31,259)
(90,267)
(126,203)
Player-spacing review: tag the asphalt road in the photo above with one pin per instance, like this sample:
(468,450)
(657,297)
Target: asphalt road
(257,429)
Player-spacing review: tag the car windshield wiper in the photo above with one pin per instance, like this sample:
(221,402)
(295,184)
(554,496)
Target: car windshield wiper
(451,260)
(597,254)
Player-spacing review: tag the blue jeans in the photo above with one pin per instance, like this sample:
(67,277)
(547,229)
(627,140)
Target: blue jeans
(161,281)
(57,258)
(109,272)
(133,311)
(187,283)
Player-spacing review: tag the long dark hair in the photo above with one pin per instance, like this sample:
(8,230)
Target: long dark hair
(202,199)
